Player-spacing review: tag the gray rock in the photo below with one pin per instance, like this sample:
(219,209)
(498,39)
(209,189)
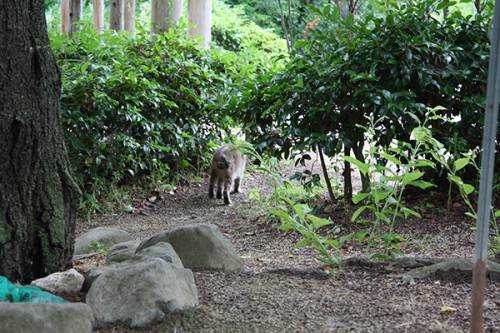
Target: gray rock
(103,235)
(45,318)
(69,281)
(122,251)
(92,275)
(458,270)
(160,250)
(141,293)
(199,246)
(122,254)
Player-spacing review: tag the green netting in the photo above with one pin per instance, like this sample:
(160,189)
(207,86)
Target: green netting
(12,293)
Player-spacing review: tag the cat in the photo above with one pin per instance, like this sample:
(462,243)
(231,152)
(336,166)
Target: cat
(228,167)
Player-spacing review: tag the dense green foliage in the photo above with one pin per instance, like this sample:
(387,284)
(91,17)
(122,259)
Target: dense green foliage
(135,107)
(389,68)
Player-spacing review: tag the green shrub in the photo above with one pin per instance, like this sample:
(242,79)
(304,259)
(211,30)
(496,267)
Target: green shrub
(133,107)
(388,67)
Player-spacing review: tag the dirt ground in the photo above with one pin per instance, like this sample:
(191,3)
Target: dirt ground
(288,290)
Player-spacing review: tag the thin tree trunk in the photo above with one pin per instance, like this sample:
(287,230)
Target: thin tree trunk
(347,177)
(98,14)
(325,174)
(71,13)
(288,37)
(164,14)
(129,16)
(38,197)
(116,15)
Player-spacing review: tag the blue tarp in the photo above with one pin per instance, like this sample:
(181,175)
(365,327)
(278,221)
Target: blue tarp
(10,292)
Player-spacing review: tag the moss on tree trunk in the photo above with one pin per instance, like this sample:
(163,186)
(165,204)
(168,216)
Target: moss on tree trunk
(38,197)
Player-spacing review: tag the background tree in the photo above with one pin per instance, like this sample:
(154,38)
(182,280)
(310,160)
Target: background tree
(116,14)
(200,20)
(38,197)
(71,13)
(164,13)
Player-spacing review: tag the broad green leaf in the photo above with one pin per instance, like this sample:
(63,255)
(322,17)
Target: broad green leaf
(422,184)
(379,195)
(345,238)
(469,214)
(461,163)
(363,167)
(391,158)
(468,189)
(424,163)
(300,83)
(412,176)
(381,256)
(360,235)
(382,217)
(359,197)
(333,243)
(456,179)
(318,222)
(358,212)
(407,212)
(302,243)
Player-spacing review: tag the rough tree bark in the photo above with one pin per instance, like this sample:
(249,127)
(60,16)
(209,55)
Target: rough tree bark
(38,196)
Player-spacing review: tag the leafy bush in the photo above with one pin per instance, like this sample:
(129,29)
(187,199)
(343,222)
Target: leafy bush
(390,68)
(244,47)
(132,106)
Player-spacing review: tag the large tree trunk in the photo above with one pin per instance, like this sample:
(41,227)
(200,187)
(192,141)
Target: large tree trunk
(38,197)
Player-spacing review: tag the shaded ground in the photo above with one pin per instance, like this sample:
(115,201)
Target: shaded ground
(288,290)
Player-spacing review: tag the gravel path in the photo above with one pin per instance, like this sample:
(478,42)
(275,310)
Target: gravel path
(288,290)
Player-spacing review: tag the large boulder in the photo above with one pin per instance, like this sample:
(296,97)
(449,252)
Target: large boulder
(123,254)
(141,293)
(122,251)
(45,318)
(199,246)
(102,235)
(127,251)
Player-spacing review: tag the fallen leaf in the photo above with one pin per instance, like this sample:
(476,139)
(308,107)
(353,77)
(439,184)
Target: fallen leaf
(445,308)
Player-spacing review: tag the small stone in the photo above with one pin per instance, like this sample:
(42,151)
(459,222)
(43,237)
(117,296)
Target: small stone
(326,299)
(408,280)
